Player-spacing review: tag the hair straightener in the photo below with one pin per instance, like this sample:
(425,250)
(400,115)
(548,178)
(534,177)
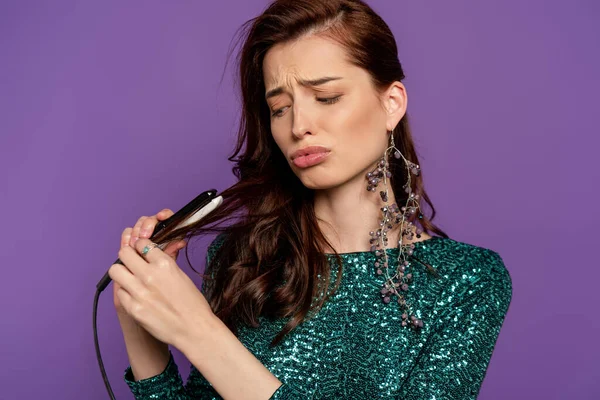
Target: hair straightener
(192,212)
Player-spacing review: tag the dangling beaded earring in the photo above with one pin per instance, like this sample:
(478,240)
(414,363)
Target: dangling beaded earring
(397,283)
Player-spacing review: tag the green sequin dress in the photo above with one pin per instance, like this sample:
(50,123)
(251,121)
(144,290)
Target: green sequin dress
(356,348)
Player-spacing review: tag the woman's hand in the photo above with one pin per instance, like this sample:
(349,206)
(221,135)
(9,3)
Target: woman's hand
(144,228)
(159,295)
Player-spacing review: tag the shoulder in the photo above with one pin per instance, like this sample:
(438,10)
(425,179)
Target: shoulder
(210,266)
(474,271)
(214,246)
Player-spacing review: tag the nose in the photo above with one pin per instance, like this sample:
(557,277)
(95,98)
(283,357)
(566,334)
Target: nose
(301,124)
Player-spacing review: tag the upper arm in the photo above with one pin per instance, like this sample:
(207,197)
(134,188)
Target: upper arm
(454,360)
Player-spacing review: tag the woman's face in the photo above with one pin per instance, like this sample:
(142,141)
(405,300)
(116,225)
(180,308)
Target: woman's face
(317,98)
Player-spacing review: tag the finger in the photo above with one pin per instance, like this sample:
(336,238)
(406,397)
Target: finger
(173,248)
(135,262)
(153,256)
(125,237)
(136,230)
(125,300)
(121,275)
(147,227)
(164,214)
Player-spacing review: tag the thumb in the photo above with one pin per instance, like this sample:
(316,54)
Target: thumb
(173,248)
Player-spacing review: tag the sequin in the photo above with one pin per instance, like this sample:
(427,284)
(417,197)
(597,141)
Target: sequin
(356,348)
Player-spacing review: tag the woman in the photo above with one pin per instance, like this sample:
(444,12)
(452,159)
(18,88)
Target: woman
(299,300)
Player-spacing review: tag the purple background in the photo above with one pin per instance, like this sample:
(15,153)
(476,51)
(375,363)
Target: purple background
(110,111)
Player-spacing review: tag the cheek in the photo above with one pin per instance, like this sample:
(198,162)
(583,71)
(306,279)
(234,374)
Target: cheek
(362,149)
(367,117)
(363,134)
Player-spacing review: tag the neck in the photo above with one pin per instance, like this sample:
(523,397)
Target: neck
(347,214)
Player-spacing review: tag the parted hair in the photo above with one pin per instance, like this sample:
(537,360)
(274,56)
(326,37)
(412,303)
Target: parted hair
(269,260)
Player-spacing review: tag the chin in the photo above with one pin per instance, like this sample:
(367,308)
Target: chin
(326,175)
(317,180)
(318,185)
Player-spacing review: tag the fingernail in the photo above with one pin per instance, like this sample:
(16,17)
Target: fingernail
(144,233)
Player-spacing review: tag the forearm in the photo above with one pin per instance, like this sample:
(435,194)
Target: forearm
(147,355)
(225,362)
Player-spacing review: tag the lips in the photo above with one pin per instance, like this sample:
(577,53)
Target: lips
(309,156)
(308,151)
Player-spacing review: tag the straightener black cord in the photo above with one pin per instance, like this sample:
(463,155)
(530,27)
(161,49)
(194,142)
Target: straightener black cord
(98,356)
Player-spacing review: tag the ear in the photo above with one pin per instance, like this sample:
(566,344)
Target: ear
(394,100)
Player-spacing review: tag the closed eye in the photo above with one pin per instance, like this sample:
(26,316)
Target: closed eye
(323,100)
(329,100)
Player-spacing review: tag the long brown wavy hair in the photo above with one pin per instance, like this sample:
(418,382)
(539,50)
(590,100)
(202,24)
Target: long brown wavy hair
(271,257)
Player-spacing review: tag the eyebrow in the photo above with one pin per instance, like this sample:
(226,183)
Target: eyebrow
(306,83)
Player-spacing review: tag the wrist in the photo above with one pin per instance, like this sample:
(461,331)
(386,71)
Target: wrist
(198,334)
